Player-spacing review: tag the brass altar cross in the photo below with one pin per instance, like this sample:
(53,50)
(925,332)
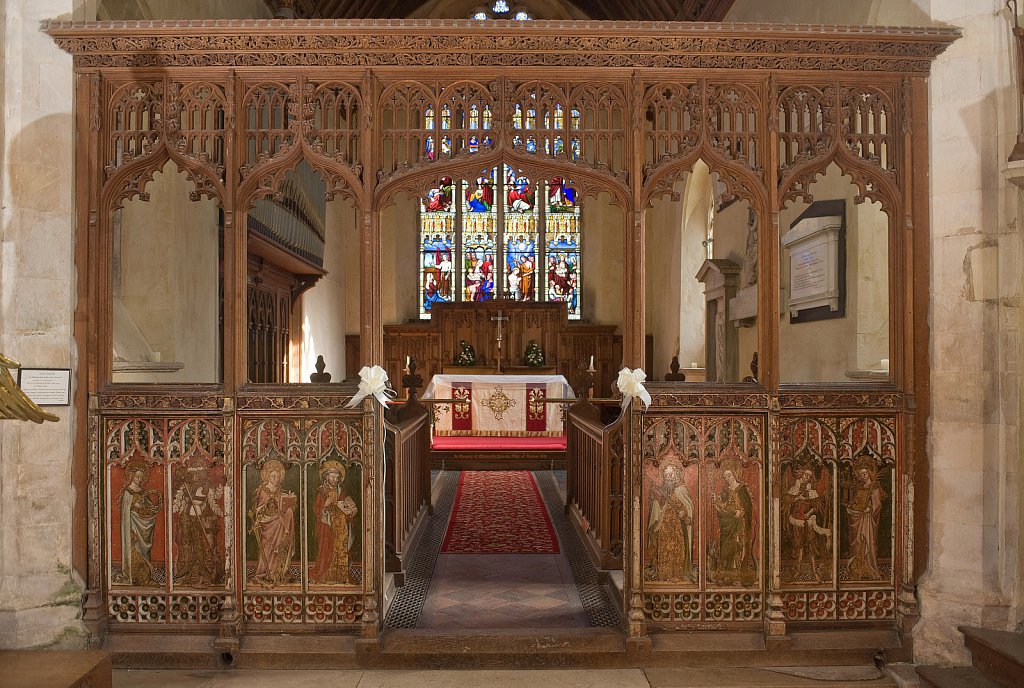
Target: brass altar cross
(500,318)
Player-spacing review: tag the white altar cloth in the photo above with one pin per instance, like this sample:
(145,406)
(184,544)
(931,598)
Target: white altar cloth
(498,405)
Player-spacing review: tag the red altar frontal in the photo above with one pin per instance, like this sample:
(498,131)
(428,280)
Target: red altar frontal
(498,405)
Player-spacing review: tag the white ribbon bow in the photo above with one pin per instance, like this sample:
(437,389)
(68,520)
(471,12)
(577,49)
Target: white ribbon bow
(373,381)
(631,384)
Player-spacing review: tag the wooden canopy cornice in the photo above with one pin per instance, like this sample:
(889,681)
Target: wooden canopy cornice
(465,43)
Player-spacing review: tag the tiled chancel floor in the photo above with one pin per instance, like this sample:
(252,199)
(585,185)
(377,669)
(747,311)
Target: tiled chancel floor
(478,591)
(494,591)
(475,591)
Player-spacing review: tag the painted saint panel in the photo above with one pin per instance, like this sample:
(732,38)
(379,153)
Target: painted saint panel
(808,532)
(138,551)
(334,531)
(197,513)
(734,520)
(672,523)
(703,504)
(866,519)
(272,486)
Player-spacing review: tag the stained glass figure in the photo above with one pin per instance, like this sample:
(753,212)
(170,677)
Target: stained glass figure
(521,235)
(562,232)
(479,235)
(437,244)
(500,7)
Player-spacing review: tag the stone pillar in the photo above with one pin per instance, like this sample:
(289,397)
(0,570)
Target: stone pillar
(974,454)
(39,590)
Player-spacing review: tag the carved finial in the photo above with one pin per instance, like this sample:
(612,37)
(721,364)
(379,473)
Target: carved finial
(320,376)
(411,381)
(753,370)
(675,375)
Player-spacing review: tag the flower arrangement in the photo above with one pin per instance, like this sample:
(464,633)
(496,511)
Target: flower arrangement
(466,355)
(534,356)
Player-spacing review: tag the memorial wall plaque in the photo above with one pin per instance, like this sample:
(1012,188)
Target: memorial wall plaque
(46,386)
(815,244)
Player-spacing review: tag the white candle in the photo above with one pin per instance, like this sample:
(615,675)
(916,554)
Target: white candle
(694,364)
(885,364)
(591,362)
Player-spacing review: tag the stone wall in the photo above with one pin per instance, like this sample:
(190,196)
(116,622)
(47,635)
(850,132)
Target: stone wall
(39,593)
(974,452)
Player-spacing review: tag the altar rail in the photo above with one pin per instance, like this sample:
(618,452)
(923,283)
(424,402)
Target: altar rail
(406,480)
(593,481)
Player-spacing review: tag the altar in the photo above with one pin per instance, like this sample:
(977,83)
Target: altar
(498,405)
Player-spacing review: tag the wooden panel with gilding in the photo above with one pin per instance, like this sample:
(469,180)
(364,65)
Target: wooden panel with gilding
(702,524)
(304,482)
(839,516)
(166,484)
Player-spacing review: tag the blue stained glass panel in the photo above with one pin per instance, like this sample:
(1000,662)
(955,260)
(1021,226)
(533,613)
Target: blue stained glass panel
(437,246)
(562,247)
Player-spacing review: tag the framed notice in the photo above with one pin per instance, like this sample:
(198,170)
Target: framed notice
(46,386)
(816,248)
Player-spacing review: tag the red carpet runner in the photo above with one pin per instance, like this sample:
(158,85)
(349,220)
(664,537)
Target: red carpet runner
(499,512)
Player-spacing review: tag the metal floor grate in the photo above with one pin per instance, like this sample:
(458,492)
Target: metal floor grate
(599,608)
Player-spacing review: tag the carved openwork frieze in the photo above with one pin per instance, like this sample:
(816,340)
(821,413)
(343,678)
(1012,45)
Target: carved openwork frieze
(460,43)
(293,401)
(841,400)
(158,402)
(708,399)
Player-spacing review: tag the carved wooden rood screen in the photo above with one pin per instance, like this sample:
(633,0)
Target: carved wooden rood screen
(202,499)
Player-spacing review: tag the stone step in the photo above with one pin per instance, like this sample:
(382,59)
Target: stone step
(954,677)
(999,655)
(726,677)
(777,677)
(55,668)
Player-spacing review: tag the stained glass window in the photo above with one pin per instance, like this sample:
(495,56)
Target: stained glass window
(563,245)
(502,235)
(479,237)
(437,246)
(521,224)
